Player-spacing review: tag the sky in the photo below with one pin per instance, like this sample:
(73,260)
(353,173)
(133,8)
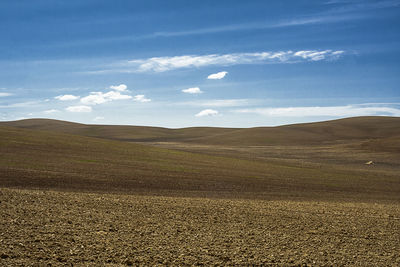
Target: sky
(180,63)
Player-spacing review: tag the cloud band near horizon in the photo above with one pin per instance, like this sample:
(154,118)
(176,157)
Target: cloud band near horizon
(332,111)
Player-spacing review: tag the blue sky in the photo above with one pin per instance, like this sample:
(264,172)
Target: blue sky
(199,63)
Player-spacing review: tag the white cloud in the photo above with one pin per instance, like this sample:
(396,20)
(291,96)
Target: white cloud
(161,64)
(79,109)
(334,111)
(207,112)
(121,87)
(217,76)
(93,98)
(318,55)
(66,97)
(100,98)
(193,90)
(141,98)
(98,118)
(112,95)
(51,111)
(5,94)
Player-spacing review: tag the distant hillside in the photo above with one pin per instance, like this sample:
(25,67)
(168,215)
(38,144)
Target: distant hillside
(349,129)
(118,132)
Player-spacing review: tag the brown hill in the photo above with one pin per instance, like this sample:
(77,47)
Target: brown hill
(369,129)
(49,160)
(335,131)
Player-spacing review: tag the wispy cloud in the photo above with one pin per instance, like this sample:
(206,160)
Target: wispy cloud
(141,98)
(361,5)
(316,55)
(85,109)
(338,11)
(217,76)
(219,103)
(98,118)
(66,97)
(333,111)
(161,64)
(26,104)
(193,90)
(207,112)
(334,15)
(311,19)
(331,17)
(5,94)
(330,2)
(51,111)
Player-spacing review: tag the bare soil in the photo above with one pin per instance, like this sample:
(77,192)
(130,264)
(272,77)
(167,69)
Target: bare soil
(64,228)
(86,195)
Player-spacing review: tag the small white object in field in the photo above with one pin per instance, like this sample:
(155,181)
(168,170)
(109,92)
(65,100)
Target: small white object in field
(369,162)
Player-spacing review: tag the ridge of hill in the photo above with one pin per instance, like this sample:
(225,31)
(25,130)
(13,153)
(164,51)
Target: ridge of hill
(117,132)
(371,129)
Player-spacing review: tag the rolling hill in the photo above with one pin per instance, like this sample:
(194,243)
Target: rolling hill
(375,129)
(40,154)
